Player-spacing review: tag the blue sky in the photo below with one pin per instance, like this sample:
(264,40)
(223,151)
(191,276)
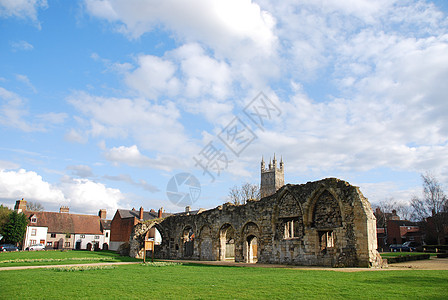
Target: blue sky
(103,102)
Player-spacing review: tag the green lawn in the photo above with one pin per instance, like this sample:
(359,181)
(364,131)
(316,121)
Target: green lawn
(394,254)
(218,282)
(34,258)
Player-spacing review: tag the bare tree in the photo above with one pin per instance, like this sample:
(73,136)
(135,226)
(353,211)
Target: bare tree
(240,194)
(34,206)
(404,211)
(433,204)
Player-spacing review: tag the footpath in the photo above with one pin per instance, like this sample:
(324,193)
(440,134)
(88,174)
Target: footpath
(428,264)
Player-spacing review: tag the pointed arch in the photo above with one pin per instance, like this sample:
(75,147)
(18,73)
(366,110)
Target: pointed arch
(205,243)
(325,210)
(250,235)
(289,222)
(226,236)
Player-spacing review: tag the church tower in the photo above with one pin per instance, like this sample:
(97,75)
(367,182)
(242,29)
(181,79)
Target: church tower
(272,178)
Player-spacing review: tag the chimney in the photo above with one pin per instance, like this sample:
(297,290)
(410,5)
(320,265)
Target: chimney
(141,213)
(102,214)
(160,212)
(20,206)
(187,209)
(378,211)
(64,209)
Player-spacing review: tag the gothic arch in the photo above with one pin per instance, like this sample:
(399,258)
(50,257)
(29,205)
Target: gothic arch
(250,235)
(289,217)
(205,243)
(227,237)
(188,237)
(288,205)
(325,210)
(138,236)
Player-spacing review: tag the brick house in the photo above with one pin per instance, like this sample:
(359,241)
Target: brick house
(400,231)
(63,230)
(124,220)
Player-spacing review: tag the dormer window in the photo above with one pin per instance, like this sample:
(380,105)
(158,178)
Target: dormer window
(33,219)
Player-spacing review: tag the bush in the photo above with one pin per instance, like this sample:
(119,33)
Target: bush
(403,258)
(435,248)
(124,249)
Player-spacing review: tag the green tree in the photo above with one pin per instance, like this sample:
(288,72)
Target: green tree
(4,215)
(14,230)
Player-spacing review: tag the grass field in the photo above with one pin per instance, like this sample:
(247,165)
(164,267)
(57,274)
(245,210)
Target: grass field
(218,282)
(36,258)
(213,282)
(395,254)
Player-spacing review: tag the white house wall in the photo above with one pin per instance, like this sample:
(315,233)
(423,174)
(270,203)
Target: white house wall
(35,235)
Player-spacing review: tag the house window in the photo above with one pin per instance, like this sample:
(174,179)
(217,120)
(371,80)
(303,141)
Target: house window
(33,220)
(33,232)
(42,241)
(107,234)
(67,244)
(53,235)
(68,235)
(97,237)
(83,236)
(326,240)
(50,244)
(33,242)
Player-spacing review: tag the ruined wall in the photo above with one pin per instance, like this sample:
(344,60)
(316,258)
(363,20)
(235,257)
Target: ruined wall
(325,223)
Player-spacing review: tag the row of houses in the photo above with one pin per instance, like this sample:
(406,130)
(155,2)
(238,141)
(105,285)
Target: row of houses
(392,230)
(65,230)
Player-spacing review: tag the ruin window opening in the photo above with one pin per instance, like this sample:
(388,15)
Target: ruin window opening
(326,241)
(291,228)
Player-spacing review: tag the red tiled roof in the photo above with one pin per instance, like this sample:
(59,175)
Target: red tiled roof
(66,222)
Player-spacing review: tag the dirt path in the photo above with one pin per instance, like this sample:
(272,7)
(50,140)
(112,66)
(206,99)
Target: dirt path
(428,264)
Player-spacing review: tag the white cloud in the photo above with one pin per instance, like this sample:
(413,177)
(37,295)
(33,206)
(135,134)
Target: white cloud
(81,195)
(153,77)
(234,28)
(131,156)
(155,127)
(23,9)
(89,196)
(21,45)
(29,185)
(26,80)
(14,113)
(81,170)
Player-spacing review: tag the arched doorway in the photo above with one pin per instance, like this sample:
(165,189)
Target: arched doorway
(251,249)
(188,241)
(227,243)
(250,234)
(205,243)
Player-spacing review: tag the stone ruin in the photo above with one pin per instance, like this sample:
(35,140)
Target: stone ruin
(322,223)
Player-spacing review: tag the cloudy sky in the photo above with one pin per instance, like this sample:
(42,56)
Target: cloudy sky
(102,102)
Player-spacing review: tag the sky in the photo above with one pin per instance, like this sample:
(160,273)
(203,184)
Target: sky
(108,104)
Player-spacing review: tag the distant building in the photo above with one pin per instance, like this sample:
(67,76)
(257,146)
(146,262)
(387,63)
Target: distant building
(272,178)
(400,231)
(124,220)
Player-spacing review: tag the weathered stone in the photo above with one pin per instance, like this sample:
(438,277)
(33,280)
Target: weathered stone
(327,223)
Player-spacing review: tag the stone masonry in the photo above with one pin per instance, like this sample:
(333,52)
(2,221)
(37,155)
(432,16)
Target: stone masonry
(323,223)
